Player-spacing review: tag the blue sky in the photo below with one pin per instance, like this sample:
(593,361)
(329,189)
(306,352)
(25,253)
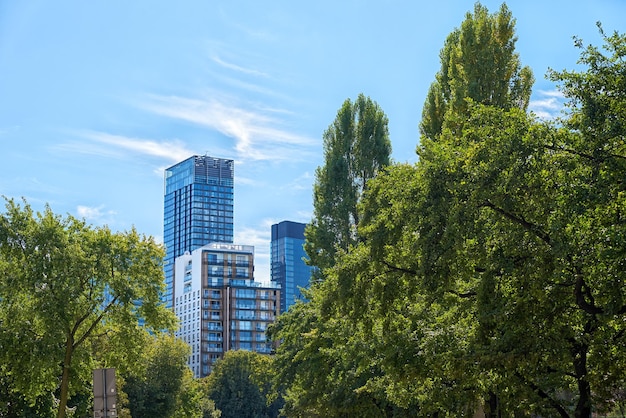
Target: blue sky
(98,97)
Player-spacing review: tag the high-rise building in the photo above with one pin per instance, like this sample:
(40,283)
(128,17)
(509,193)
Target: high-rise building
(288,268)
(219,305)
(199,201)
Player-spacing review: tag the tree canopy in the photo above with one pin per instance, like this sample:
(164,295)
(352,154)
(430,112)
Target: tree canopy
(65,288)
(241,386)
(487,277)
(356,148)
(478,62)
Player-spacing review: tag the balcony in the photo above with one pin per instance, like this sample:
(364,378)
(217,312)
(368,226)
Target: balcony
(213,328)
(216,339)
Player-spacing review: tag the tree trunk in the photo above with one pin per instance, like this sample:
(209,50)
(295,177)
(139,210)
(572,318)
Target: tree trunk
(492,408)
(65,377)
(583,407)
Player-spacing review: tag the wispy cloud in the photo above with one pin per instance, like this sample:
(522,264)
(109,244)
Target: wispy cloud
(247,181)
(119,146)
(257,132)
(238,68)
(95,214)
(302,182)
(170,150)
(548,104)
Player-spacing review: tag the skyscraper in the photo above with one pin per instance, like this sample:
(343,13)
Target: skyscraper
(288,268)
(199,201)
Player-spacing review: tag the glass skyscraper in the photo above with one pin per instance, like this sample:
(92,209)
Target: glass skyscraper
(198,210)
(288,268)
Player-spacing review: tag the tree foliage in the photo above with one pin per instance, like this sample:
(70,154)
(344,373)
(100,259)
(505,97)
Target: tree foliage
(479,62)
(494,266)
(65,287)
(241,386)
(164,385)
(356,148)
(490,275)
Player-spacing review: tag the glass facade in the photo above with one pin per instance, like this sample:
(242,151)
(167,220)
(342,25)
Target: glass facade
(198,209)
(288,268)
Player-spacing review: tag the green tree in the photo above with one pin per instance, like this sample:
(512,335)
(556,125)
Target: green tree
(13,404)
(63,287)
(158,390)
(479,62)
(193,400)
(494,267)
(356,148)
(241,386)
(324,361)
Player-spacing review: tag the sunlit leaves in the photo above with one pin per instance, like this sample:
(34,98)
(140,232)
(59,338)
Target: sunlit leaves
(64,287)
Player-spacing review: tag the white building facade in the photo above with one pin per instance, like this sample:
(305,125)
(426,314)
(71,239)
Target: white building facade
(219,305)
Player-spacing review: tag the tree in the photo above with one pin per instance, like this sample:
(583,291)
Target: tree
(158,390)
(324,361)
(64,287)
(13,404)
(493,269)
(356,148)
(241,386)
(193,399)
(479,62)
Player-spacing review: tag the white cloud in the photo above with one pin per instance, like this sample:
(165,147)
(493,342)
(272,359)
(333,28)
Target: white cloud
(304,216)
(118,146)
(94,214)
(239,180)
(552,93)
(237,68)
(548,104)
(257,135)
(303,182)
(170,150)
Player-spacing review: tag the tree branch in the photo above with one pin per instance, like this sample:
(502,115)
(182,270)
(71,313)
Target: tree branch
(543,395)
(399,269)
(93,324)
(535,229)
(582,293)
(582,154)
(465,295)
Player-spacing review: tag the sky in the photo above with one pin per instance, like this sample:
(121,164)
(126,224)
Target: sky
(98,97)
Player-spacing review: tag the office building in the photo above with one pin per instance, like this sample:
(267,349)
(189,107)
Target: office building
(219,305)
(199,201)
(288,269)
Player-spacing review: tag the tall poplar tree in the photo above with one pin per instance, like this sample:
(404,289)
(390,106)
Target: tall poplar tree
(478,62)
(356,148)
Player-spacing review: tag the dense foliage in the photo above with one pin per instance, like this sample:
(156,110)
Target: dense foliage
(164,386)
(66,288)
(241,386)
(356,148)
(487,277)
(478,62)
